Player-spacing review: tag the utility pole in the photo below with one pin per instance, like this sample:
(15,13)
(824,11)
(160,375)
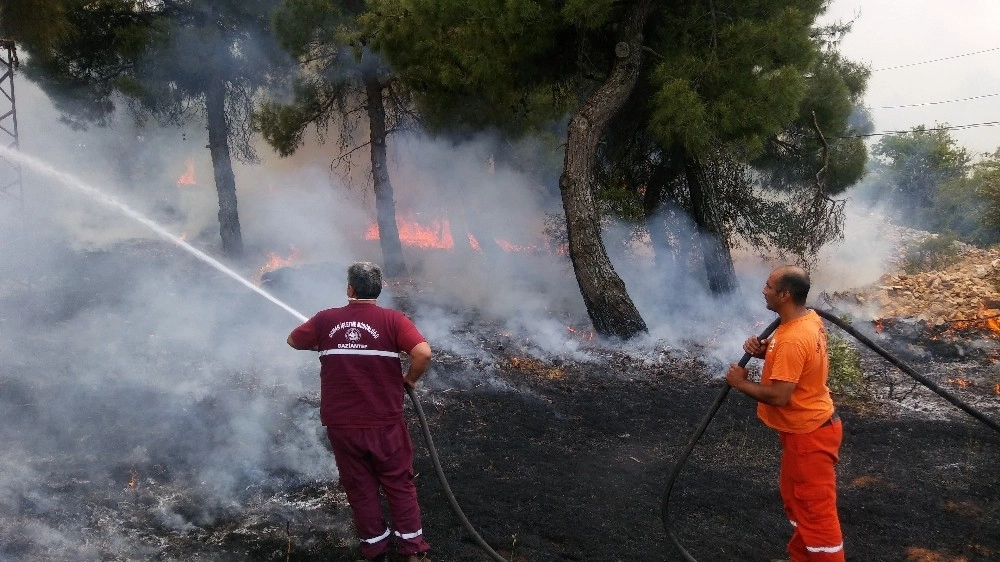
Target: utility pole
(11,181)
(14,275)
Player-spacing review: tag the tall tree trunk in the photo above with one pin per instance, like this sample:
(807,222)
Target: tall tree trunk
(467,223)
(222,167)
(652,203)
(385,204)
(718,261)
(610,308)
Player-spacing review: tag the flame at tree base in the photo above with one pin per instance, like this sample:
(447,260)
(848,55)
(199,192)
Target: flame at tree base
(438,235)
(412,233)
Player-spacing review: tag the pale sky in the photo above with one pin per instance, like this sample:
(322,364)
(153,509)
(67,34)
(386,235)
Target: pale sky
(897,39)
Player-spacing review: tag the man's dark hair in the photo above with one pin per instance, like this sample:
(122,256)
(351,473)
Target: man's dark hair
(795,280)
(366,278)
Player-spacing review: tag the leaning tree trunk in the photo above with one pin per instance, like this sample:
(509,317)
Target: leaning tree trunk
(222,166)
(610,308)
(718,261)
(385,204)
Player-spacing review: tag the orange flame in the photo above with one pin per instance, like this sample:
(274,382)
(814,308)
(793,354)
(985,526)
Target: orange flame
(412,233)
(274,261)
(187,178)
(437,235)
(961,383)
(996,388)
(879,326)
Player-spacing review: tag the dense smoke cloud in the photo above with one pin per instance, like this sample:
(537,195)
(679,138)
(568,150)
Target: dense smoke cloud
(126,359)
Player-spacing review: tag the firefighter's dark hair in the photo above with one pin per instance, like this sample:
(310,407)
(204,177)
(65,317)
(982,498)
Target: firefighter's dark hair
(366,278)
(795,280)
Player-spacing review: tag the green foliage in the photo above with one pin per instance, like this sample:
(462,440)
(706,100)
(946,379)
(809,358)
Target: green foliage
(932,253)
(915,166)
(316,103)
(478,63)
(36,24)
(753,89)
(335,66)
(307,28)
(846,376)
(960,206)
(986,182)
(587,14)
(160,57)
(830,107)
(81,65)
(679,116)
(732,72)
(617,200)
(930,177)
(738,78)
(281,126)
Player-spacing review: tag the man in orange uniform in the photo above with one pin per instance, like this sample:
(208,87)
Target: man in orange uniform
(793,398)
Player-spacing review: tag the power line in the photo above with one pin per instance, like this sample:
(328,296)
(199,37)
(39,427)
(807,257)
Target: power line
(937,60)
(926,129)
(936,102)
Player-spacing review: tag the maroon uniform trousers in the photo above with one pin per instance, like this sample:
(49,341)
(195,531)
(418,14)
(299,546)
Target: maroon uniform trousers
(370,458)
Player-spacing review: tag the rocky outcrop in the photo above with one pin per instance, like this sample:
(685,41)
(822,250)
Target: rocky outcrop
(965,292)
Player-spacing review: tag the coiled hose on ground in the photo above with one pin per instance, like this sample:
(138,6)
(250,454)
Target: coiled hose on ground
(665,508)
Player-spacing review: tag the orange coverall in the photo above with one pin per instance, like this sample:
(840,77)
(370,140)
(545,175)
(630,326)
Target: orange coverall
(810,434)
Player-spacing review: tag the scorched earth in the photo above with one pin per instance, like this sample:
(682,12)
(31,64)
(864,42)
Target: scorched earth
(117,448)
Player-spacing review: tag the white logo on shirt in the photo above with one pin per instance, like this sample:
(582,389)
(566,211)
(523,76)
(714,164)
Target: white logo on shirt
(353,335)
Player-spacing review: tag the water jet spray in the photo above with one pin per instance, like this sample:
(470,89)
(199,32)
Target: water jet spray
(110,201)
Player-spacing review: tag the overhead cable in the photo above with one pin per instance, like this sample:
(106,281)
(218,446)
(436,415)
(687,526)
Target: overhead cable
(937,60)
(935,102)
(925,129)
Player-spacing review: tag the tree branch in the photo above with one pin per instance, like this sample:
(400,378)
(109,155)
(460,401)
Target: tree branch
(821,174)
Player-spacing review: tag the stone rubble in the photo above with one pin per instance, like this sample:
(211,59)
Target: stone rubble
(965,292)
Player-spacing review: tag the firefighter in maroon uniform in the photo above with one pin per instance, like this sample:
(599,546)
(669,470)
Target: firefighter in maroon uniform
(361,405)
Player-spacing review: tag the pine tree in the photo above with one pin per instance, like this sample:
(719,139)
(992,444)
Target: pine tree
(714,94)
(164,58)
(339,76)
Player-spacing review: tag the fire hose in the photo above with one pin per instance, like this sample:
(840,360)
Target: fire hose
(721,397)
(437,467)
(444,481)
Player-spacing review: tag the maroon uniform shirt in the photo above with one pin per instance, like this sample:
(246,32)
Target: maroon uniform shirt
(361,374)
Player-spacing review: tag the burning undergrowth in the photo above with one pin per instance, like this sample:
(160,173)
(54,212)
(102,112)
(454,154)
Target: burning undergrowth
(140,403)
(963,362)
(155,413)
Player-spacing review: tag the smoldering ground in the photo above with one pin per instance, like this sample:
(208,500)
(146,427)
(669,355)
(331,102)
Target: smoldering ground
(134,370)
(149,401)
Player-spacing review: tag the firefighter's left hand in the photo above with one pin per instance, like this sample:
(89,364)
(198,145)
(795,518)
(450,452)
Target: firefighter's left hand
(736,375)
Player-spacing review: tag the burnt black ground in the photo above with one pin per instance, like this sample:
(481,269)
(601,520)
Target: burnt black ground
(569,462)
(550,460)
(573,468)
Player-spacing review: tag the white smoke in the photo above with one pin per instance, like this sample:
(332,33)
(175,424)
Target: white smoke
(123,352)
